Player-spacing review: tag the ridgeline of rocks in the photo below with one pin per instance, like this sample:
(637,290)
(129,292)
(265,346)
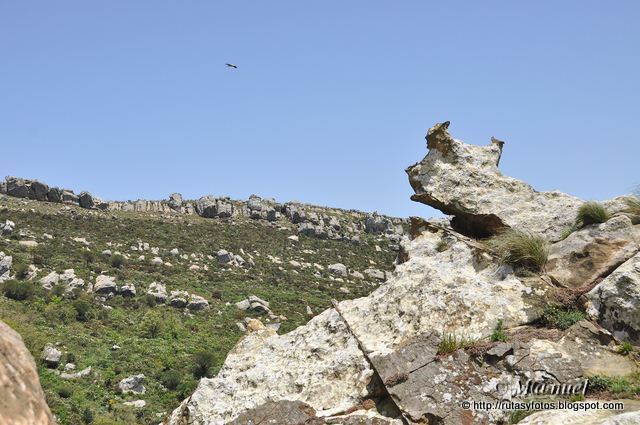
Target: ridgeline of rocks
(315,221)
(516,287)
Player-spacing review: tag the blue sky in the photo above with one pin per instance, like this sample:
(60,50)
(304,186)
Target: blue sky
(331,100)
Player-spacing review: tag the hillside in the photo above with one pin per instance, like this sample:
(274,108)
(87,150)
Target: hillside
(520,307)
(118,329)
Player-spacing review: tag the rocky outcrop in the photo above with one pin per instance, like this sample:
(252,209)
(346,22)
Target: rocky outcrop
(5,266)
(615,302)
(592,252)
(464,181)
(22,400)
(313,221)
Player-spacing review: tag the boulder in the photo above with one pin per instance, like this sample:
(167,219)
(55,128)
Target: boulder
(224,256)
(265,367)
(133,384)
(138,404)
(76,375)
(464,181)
(22,399)
(178,299)
(68,197)
(615,302)
(211,207)
(51,356)
(197,302)
(38,191)
(50,280)
(375,223)
(17,187)
(105,285)
(6,261)
(592,252)
(375,274)
(337,269)
(175,201)
(85,200)
(7,227)
(128,290)
(158,291)
(54,194)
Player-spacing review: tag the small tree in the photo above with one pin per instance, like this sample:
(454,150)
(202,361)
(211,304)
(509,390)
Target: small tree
(202,363)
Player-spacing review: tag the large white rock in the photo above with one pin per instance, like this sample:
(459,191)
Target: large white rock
(615,302)
(319,364)
(463,180)
(448,291)
(5,266)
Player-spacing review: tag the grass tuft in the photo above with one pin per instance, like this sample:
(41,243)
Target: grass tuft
(625,348)
(451,342)
(498,333)
(591,213)
(560,317)
(524,251)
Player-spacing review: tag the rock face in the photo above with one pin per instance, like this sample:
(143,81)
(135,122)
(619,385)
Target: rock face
(464,181)
(592,252)
(615,302)
(22,400)
(267,367)
(5,266)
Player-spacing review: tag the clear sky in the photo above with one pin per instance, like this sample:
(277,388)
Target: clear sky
(331,100)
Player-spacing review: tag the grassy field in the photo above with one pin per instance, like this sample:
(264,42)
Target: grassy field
(162,342)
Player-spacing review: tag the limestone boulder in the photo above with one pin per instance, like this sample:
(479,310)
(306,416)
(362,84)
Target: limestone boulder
(85,200)
(22,401)
(319,364)
(615,302)
(464,181)
(592,252)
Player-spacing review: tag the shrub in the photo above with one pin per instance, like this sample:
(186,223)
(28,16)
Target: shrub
(21,271)
(84,310)
(450,342)
(171,379)
(87,415)
(37,259)
(560,317)
(17,290)
(150,300)
(88,257)
(591,213)
(202,363)
(442,246)
(498,333)
(151,324)
(625,348)
(117,261)
(64,392)
(521,250)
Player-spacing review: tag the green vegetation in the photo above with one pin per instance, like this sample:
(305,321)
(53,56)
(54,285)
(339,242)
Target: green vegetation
(619,387)
(517,415)
(451,342)
(633,207)
(117,261)
(524,251)
(442,246)
(498,333)
(560,317)
(591,213)
(625,348)
(157,340)
(17,290)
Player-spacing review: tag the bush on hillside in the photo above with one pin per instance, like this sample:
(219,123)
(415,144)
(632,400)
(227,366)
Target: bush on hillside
(17,290)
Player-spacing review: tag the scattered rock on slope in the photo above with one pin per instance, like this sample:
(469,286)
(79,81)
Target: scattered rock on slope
(22,400)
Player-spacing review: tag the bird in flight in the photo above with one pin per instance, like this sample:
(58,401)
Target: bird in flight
(230,65)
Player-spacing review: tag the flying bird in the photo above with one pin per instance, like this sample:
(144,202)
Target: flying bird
(230,65)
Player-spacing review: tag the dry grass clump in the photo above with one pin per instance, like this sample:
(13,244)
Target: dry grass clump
(522,250)
(633,207)
(591,213)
